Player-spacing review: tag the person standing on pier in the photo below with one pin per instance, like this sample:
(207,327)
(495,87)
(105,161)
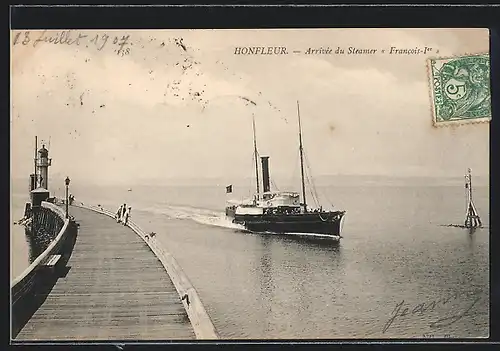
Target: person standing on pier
(124,211)
(127,215)
(119,214)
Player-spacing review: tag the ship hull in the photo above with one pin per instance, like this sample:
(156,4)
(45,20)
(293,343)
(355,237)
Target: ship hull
(326,223)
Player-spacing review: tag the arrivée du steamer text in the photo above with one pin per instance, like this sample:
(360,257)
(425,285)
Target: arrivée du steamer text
(351,50)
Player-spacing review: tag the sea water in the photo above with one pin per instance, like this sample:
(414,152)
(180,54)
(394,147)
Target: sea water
(397,272)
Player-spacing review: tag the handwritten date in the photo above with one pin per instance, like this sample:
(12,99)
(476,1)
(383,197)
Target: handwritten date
(68,37)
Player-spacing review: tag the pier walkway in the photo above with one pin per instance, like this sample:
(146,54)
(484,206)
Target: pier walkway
(114,288)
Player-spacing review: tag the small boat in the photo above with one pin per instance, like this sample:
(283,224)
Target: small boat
(282,212)
(129,189)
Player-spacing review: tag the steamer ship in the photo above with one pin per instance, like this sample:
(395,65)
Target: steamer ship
(282,212)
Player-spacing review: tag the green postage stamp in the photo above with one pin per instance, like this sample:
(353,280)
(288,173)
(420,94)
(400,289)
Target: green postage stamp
(460,89)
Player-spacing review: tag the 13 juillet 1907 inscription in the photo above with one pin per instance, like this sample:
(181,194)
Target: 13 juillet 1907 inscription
(72,38)
(460,89)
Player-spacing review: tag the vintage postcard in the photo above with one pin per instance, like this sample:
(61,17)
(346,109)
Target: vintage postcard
(249,184)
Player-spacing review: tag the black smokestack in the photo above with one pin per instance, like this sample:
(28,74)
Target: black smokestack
(265,173)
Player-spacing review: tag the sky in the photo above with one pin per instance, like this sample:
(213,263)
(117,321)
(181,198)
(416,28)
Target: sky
(176,105)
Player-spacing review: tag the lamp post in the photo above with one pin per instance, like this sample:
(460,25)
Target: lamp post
(67,199)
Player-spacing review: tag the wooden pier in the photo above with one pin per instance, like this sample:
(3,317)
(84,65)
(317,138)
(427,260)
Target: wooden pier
(113,288)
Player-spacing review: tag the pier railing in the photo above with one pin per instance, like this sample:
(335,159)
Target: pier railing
(33,278)
(200,320)
(24,281)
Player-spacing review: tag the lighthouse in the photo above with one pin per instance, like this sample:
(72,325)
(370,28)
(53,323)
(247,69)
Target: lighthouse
(43,163)
(472,219)
(39,181)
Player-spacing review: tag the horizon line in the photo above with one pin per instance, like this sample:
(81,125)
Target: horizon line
(212,177)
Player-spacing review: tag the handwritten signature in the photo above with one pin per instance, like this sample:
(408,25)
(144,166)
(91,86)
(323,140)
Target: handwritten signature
(423,307)
(67,37)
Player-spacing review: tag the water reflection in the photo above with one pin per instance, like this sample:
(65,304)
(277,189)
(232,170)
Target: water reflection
(313,242)
(472,241)
(288,270)
(266,280)
(320,241)
(301,285)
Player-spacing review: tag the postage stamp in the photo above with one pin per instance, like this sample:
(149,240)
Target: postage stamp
(460,89)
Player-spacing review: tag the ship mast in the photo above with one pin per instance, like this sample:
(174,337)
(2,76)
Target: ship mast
(256,156)
(36,146)
(301,160)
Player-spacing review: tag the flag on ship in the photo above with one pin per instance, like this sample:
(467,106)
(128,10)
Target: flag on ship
(229,189)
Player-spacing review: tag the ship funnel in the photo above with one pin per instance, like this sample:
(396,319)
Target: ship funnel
(265,173)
